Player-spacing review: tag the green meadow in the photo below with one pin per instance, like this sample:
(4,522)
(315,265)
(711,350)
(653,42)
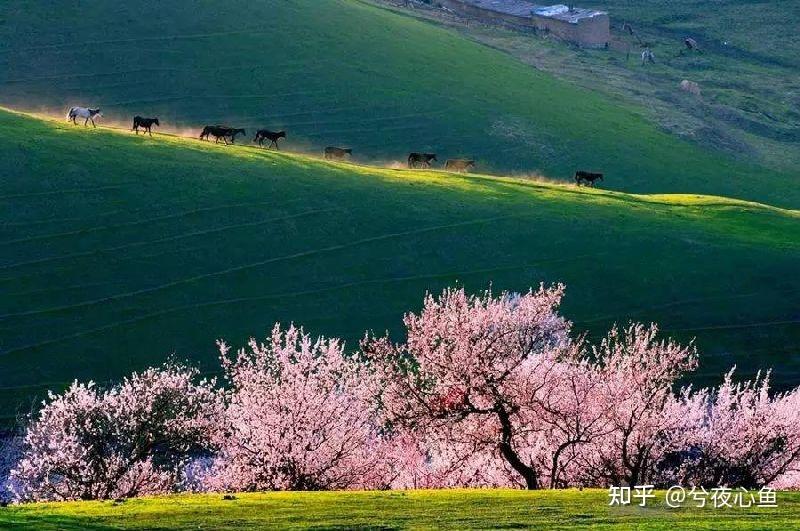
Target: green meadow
(347,73)
(118,251)
(444,509)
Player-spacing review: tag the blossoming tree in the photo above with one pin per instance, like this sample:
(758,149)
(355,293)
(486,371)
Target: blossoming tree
(131,439)
(299,417)
(472,372)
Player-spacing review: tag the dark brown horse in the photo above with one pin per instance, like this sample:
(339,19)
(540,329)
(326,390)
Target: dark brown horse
(144,123)
(421,159)
(221,131)
(587,177)
(264,134)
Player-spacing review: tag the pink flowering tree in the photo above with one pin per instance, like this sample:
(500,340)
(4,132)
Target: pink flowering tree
(469,379)
(131,439)
(299,417)
(739,435)
(636,374)
(573,415)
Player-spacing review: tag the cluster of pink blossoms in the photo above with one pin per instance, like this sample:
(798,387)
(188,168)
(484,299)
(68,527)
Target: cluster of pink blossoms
(485,391)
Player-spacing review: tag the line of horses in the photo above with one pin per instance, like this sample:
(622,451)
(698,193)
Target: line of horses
(225,133)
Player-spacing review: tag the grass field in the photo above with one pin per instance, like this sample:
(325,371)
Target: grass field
(118,250)
(447,509)
(748,72)
(342,72)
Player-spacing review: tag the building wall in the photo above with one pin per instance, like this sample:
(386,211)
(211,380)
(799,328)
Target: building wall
(485,14)
(590,32)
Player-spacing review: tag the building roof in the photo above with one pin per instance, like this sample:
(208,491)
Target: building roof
(524,8)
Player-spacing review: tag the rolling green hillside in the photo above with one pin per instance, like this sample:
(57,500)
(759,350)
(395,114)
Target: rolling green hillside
(117,250)
(342,72)
(443,509)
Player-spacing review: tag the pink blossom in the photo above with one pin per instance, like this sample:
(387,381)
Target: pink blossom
(299,417)
(129,440)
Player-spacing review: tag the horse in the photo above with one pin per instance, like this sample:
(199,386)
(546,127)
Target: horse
(335,153)
(691,44)
(144,123)
(233,132)
(264,134)
(83,112)
(221,131)
(425,159)
(587,177)
(459,164)
(648,56)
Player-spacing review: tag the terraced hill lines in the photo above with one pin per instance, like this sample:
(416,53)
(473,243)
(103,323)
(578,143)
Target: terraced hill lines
(117,250)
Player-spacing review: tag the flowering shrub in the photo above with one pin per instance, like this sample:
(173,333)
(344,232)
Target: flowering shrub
(485,391)
(635,375)
(129,440)
(298,417)
(738,435)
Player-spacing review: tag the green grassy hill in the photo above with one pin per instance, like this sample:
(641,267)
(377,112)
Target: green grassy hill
(117,250)
(443,509)
(342,72)
(747,70)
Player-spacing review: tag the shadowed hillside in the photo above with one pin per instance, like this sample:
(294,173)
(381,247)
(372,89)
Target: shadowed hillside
(119,250)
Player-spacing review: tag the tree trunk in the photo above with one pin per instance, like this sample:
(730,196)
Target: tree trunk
(528,473)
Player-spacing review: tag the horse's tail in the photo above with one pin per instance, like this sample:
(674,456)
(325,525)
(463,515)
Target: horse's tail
(69,114)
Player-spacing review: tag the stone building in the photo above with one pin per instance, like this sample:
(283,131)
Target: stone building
(585,27)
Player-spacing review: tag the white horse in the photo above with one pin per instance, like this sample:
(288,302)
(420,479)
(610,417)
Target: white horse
(648,56)
(83,112)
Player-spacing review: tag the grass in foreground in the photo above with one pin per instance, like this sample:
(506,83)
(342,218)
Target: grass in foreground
(446,509)
(116,251)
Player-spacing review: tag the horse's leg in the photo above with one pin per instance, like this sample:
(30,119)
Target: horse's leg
(86,121)
(150,131)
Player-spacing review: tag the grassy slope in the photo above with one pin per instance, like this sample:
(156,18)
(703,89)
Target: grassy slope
(342,72)
(749,107)
(448,509)
(749,71)
(117,250)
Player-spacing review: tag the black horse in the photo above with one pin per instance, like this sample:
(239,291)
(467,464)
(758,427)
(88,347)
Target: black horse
(587,177)
(264,134)
(221,131)
(144,123)
(335,153)
(423,159)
